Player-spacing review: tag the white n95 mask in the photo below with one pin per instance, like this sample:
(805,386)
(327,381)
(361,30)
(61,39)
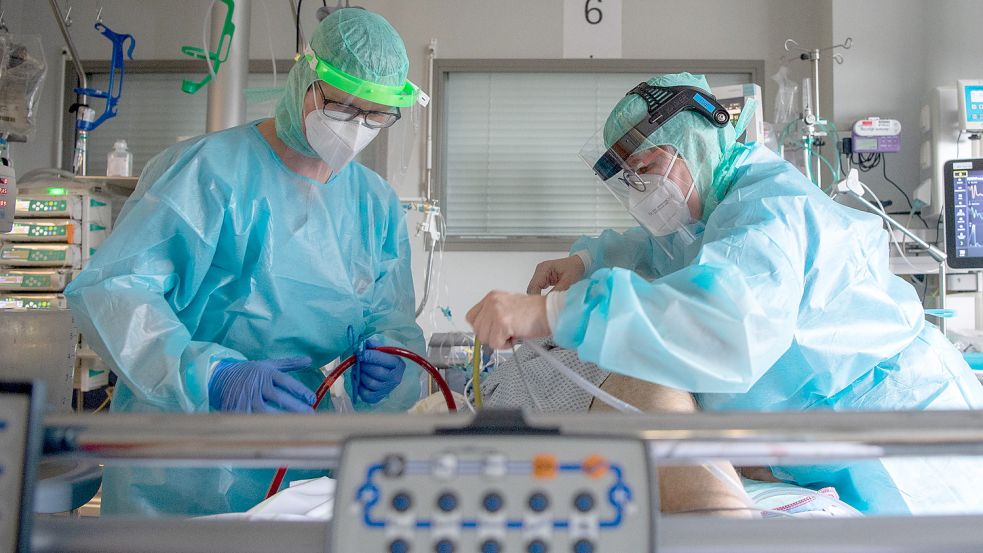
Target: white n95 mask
(336,142)
(658,204)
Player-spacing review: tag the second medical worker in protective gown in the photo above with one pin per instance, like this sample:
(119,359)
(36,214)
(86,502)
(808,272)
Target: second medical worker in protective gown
(249,258)
(748,286)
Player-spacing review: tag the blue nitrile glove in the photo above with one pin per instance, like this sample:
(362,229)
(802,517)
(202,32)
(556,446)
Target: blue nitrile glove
(259,386)
(377,373)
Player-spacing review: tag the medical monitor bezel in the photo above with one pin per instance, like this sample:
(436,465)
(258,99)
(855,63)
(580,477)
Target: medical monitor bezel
(32,449)
(950,219)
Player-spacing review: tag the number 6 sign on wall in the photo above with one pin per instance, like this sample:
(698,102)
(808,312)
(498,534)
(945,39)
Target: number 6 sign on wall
(592,28)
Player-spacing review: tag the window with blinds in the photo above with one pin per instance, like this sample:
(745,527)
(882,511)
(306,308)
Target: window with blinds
(509,165)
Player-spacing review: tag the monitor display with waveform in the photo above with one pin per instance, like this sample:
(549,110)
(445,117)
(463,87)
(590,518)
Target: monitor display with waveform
(968,210)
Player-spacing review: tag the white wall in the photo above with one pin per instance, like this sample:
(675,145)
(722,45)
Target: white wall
(654,29)
(902,50)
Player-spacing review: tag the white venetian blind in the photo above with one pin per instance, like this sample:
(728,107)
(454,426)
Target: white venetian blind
(511,152)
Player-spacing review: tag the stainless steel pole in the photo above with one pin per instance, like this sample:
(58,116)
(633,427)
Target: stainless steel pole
(226,99)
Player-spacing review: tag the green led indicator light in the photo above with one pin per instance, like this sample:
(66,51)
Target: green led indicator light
(57,191)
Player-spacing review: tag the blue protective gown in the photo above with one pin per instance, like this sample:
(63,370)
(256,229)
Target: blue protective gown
(224,253)
(785,301)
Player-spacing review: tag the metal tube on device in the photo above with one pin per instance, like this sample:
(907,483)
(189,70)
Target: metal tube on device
(226,98)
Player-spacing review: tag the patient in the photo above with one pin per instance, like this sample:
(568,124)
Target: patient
(681,489)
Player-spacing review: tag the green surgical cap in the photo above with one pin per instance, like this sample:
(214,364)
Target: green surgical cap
(356,41)
(701,144)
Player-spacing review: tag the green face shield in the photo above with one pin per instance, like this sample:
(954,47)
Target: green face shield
(402,96)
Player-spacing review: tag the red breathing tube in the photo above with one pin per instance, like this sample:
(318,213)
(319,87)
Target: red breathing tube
(349,363)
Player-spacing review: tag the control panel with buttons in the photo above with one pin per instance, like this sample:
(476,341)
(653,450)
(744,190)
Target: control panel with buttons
(494,494)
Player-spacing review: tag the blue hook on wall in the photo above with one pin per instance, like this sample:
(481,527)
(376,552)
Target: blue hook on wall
(114,90)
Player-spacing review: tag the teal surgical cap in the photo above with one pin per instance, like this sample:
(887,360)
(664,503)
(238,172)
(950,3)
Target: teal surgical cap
(355,41)
(702,145)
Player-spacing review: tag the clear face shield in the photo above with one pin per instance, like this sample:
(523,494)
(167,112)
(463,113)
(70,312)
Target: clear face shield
(350,112)
(653,184)
(651,179)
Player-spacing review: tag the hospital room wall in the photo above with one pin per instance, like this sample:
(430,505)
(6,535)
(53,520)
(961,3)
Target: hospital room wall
(902,50)
(662,29)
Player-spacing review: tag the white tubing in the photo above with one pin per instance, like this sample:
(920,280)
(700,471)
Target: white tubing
(588,386)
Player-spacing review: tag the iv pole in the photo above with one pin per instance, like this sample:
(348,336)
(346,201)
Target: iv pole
(810,110)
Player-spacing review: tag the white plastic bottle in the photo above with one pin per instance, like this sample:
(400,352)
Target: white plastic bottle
(119,162)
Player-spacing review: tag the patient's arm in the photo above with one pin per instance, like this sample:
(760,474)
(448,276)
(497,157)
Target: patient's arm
(682,489)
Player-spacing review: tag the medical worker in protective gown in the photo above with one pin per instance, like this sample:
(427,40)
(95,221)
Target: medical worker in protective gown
(747,286)
(249,258)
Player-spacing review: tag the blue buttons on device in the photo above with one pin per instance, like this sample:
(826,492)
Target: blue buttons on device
(492,502)
(583,502)
(399,546)
(491,546)
(444,546)
(538,502)
(402,502)
(447,502)
(583,546)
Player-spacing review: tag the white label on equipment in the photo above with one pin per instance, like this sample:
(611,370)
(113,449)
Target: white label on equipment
(976,95)
(591,28)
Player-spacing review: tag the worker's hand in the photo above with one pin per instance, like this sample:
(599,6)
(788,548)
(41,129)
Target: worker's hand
(260,386)
(377,373)
(558,273)
(502,317)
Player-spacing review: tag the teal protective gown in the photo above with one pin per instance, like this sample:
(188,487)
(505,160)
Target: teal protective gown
(224,253)
(785,301)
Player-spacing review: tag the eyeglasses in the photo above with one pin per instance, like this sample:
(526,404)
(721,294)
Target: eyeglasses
(347,112)
(370,118)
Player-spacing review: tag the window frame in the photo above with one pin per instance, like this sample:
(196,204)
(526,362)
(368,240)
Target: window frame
(755,69)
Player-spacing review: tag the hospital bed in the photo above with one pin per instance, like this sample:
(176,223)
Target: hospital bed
(378,458)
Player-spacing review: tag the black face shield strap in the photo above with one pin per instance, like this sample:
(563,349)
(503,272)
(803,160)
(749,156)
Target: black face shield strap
(662,104)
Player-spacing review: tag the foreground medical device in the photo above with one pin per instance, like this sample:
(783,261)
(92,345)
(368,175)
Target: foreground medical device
(499,483)
(21,407)
(495,486)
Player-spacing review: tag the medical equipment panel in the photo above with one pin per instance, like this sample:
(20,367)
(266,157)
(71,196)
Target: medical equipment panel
(55,228)
(20,447)
(964,213)
(8,197)
(32,301)
(40,255)
(33,280)
(971,105)
(876,135)
(494,493)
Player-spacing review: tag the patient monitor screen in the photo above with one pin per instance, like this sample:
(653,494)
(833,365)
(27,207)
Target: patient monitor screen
(967,191)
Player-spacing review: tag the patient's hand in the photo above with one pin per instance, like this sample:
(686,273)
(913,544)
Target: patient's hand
(561,274)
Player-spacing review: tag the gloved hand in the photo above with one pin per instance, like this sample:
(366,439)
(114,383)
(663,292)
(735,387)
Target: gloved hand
(377,373)
(561,274)
(260,386)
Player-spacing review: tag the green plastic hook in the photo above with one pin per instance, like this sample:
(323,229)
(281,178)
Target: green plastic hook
(216,58)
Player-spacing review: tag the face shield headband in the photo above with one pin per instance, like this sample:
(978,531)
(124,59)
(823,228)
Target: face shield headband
(662,104)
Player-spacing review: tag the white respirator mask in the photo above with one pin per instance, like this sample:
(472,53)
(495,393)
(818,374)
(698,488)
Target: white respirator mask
(658,204)
(336,142)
